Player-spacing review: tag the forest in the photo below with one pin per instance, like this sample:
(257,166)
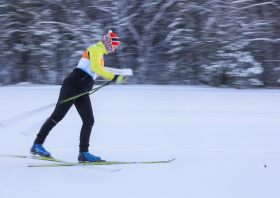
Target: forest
(221,43)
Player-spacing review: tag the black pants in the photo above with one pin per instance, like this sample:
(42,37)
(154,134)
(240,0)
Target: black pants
(83,106)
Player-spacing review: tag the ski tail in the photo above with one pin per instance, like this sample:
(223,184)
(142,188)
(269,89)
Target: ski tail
(56,160)
(37,157)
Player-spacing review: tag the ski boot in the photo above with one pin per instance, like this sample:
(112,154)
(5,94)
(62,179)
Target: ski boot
(38,149)
(87,157)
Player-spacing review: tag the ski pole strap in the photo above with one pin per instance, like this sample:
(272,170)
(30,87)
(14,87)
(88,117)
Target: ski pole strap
(88,92)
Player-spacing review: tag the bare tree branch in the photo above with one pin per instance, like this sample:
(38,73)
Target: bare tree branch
(261,4)
(265,39)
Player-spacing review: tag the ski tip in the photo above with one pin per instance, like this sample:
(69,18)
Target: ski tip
(172,160)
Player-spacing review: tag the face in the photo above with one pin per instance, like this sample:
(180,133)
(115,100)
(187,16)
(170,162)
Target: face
(114,47)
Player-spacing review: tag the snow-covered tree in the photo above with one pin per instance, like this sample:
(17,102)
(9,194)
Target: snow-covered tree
(217,42)
(261,31)
(43,40)
(185,43)
(230,62)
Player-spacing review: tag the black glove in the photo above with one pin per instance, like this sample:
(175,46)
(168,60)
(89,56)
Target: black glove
(119,79)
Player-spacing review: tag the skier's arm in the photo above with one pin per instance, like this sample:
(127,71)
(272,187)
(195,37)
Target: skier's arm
(95,56)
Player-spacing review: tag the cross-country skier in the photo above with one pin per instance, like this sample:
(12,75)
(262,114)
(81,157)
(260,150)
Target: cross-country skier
(90,66)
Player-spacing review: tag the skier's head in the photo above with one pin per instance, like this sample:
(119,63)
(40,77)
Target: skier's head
(110,41)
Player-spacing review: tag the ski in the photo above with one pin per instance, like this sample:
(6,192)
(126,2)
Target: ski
(37,157)
(100,163)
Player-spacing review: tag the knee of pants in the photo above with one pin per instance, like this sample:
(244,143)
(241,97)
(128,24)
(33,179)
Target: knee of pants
(88,123)
(56,119)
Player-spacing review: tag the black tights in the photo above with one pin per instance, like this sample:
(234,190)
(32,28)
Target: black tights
(83,106)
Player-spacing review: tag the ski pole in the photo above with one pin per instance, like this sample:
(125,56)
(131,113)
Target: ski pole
(87,92)
(33,128)
(18,118)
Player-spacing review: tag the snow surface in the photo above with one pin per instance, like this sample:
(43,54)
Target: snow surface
(221,139)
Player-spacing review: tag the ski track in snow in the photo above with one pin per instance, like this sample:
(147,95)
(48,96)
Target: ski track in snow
(221,139)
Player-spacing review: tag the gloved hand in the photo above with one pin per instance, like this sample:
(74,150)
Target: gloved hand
(119,79)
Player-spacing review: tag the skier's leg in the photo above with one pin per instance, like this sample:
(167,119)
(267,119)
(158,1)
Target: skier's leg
(83,106)
(59,112)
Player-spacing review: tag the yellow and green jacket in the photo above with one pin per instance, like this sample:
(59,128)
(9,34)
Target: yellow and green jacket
(92,62)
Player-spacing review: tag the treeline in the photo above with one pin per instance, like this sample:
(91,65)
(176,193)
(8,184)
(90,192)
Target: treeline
(230,43)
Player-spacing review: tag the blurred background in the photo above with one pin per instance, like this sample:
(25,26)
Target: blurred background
(224,43)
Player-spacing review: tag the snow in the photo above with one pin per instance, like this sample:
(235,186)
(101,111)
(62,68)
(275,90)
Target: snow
(221,139)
